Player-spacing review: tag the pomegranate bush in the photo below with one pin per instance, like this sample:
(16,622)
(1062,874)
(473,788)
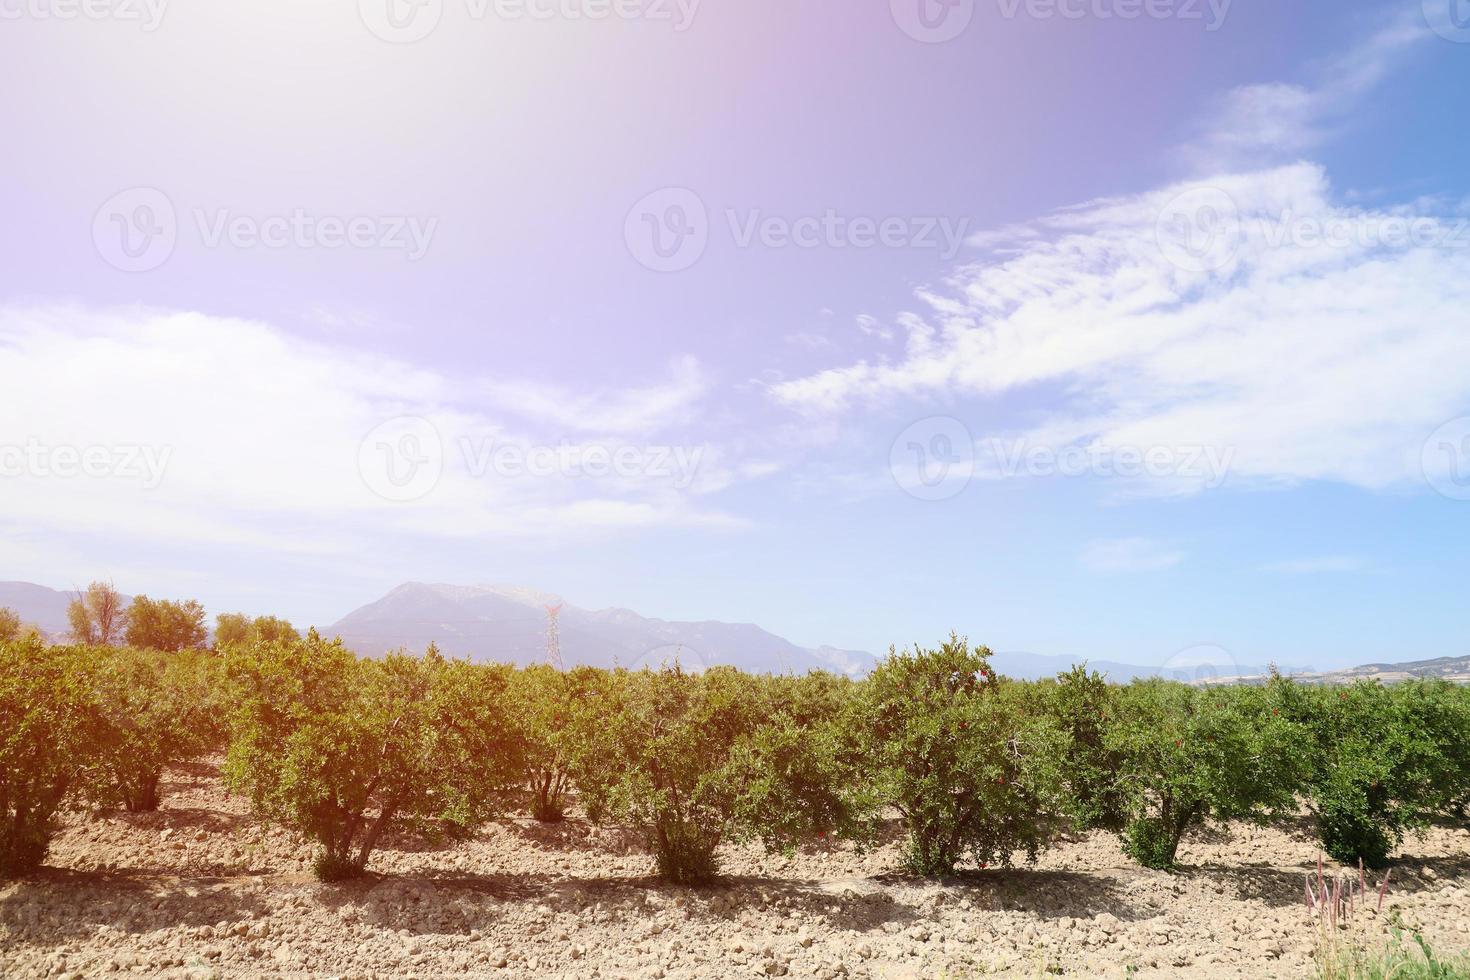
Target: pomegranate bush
(340,749)
(1379,761)
(1186,755)
(694,760)
(953,749)
(51,742)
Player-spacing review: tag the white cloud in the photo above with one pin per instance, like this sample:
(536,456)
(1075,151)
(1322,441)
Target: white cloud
(870,326)
(263,430)
(618,411)
(1129,555)
(1307,359)
(1273,123)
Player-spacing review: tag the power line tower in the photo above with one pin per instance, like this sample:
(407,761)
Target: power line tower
(553,636)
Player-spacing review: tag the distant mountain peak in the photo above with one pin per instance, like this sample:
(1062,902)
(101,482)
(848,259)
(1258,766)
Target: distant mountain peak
(524,595)
(508,623)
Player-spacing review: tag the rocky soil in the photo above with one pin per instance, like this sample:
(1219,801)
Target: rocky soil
(200,889)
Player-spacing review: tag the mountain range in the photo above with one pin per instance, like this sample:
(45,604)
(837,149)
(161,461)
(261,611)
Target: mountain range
(510,624)
(1456,669)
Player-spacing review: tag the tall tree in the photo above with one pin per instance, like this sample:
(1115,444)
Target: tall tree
(162,624)
(13,628)
(9,625)
(97,616)
(231,629)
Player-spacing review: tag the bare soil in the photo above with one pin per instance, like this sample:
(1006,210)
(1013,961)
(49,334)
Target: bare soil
(201,889)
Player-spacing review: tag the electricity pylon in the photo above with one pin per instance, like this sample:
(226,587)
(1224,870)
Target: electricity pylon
(553,636)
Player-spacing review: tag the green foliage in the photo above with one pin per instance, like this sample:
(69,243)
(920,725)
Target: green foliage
(542,701)
(957,754)
(1398,961)
(163,624)
(475,762)
(692,761)
(10,625)
(1151,841)
(50,741)
(13,628)
(1081,706)
(1186,755)
(340,749)
(237,629)
(802,771)
(1381,761)
(157,709)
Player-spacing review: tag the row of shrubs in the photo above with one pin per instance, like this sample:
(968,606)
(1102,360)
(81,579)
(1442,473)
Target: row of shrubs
(977,767)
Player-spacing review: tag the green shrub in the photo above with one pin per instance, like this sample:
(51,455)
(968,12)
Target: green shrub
(542,701)
(1151,841)
(956,753)
(1187,755)
(339,749)
(475,761)
(1383,761)
(50,739)
(692,761)
(157,709)
(1081,706)
(804,774)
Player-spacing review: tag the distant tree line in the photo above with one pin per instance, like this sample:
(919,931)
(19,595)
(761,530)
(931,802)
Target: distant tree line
(100,616)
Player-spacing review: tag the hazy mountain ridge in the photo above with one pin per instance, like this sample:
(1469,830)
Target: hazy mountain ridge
(1456,669)
(508,623)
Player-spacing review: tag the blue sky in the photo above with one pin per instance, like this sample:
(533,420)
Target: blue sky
(335,307)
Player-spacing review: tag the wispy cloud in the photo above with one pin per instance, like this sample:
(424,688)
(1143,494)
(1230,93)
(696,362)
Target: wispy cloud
(872,327)
(1274,123)
(1130,555)
(1259,314)
(643,410)
(1305,356)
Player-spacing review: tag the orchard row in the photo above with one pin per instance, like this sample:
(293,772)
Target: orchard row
(977,767)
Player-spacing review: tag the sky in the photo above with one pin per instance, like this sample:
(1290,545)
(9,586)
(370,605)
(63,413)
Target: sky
(1098,328)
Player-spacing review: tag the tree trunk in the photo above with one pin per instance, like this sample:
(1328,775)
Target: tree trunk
(143,797)
(374,832)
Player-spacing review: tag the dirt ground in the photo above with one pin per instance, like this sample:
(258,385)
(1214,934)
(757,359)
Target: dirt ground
(200,889)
